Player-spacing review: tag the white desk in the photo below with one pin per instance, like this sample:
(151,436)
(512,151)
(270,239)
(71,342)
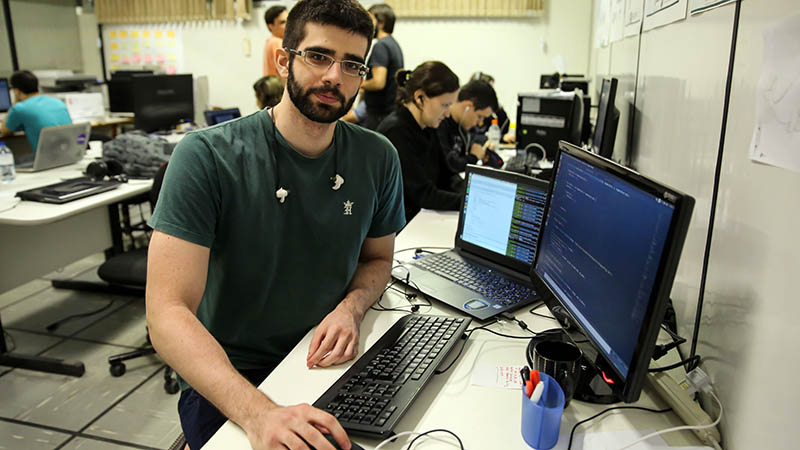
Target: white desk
(38,238)
(483,417)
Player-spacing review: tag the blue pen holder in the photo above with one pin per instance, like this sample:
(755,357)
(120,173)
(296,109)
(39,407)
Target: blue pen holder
(541,421)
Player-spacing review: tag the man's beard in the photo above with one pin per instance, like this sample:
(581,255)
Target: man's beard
(317,112)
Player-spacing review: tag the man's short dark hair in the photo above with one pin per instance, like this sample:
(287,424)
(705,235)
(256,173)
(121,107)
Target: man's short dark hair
(25,81)
(346,14)
(272,14)
(480,93)
(385,15)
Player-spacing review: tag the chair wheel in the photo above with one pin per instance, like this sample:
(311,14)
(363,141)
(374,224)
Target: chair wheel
(171,386)
(117,369)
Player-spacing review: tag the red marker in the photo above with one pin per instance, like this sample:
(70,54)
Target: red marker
(528,388)
(534,377)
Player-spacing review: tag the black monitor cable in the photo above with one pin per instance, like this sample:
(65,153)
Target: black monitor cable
(53,326)
(581,422)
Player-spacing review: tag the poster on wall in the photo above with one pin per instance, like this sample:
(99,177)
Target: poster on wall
(699,6)
(776,138)
(617,20)
(602,23)
(662,12)
(634,10)
(131,47)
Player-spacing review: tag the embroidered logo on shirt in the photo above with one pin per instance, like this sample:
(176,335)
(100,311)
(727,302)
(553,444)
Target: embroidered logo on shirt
(348,208)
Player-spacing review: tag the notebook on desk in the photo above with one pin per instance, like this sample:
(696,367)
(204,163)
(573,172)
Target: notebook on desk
(486,273)
(58,146)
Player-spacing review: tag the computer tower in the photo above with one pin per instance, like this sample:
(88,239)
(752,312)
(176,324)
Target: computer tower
(546,117)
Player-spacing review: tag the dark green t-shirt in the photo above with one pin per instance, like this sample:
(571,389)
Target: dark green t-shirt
(276,270)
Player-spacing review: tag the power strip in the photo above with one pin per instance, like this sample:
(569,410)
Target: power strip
(684,406)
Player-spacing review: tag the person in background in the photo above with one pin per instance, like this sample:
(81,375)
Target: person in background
(380,88)
(275,17)
(268,90)
(31,111)
(499,113)
(476,102)
(246,208)
(424,97)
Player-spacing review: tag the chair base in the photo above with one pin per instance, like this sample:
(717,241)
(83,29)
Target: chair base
(91,286)
(117,367)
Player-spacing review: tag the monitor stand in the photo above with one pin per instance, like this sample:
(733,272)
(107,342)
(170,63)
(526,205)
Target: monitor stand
(592,388)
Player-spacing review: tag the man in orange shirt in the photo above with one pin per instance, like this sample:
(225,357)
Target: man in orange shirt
(275,17)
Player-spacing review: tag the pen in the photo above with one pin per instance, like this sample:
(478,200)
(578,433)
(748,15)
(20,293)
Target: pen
(537,393)
(534,377)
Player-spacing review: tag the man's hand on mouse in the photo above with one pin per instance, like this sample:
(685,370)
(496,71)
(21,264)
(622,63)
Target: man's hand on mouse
(336,338)
(296,427)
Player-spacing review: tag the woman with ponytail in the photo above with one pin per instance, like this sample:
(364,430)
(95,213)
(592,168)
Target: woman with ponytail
(424,96)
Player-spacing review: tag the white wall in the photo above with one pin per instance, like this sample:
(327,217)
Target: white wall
(748,324)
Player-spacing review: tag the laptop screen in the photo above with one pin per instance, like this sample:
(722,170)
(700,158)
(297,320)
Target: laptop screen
(5,97)
(501,216)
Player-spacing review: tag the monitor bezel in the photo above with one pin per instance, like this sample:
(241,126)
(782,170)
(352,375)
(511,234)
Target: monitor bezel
(150,123)
(627,388)
(604,115)
(496,258)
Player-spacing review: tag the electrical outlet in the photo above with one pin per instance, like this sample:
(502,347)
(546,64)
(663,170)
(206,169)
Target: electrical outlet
(684,406)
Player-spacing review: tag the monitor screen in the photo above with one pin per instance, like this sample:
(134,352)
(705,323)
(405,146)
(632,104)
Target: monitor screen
(216,116)
(162,101)
(5,96)
(503,215)
(120,89)
(609,248)
(605,130)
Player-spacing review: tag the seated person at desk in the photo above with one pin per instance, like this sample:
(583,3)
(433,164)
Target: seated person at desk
(499,113)
(245,207)
(476,101)
(269,90)
(424,97)
(32,111)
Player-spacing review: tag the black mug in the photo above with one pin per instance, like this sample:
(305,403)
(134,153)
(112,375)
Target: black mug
(561,360)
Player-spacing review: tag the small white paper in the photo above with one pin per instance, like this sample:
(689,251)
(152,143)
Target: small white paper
(497,376)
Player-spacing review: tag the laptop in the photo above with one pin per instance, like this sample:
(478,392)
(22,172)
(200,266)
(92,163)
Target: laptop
(216,116)
(487,272)
(58,146)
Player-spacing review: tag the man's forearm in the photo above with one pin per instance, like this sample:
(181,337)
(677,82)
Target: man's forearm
(189,349)
(368,282)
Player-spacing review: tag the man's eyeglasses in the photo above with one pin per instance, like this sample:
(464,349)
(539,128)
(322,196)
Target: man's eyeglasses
(323,61)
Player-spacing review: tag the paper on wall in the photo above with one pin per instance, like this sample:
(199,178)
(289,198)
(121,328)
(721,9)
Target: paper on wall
(617,20)
(699,6)
(662,12)
(776,138)
(634,10)
(602,23)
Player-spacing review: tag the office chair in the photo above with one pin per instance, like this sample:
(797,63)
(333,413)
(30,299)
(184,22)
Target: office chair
(129,270)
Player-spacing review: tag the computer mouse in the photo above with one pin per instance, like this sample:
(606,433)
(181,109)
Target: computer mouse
(332,440)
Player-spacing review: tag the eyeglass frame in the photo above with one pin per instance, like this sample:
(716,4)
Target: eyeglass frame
(363,67)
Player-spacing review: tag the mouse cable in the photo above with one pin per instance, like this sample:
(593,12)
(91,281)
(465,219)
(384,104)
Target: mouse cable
(379,307)
(415,433)
(427,433)
(581,422)
(694,360)
(685,427)
(421,249)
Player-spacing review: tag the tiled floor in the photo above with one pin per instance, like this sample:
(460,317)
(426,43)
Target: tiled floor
(96,411)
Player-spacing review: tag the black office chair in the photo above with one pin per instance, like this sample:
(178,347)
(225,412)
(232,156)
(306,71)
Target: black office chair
(129,270)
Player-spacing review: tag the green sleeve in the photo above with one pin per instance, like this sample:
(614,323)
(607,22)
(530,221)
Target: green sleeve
(189,203)
(390,216)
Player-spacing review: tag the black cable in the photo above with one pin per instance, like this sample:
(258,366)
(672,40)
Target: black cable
(715,191)
(421,248)
(53,326)
(574,427)
(460,444)
(692,360)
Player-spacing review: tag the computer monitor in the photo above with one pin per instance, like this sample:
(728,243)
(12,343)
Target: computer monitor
(120,89)
(162,101)
(609,248)
(605,130)
(5,96)
(216,116)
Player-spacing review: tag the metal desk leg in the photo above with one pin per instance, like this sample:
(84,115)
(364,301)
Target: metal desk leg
(38,363)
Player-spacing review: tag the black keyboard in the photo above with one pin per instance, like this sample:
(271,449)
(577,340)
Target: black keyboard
(482,280)
(371,397)
(522,163)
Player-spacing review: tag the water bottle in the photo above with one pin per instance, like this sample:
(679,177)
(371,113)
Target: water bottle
(7,172)
(493,134)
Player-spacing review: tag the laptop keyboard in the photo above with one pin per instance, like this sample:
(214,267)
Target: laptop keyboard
(482,280)
(371,397)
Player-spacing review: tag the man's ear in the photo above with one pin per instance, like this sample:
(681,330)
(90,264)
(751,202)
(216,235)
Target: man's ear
(282,63)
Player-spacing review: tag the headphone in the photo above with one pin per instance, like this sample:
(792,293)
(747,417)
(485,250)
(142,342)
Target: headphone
(99,169)
(280,192)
